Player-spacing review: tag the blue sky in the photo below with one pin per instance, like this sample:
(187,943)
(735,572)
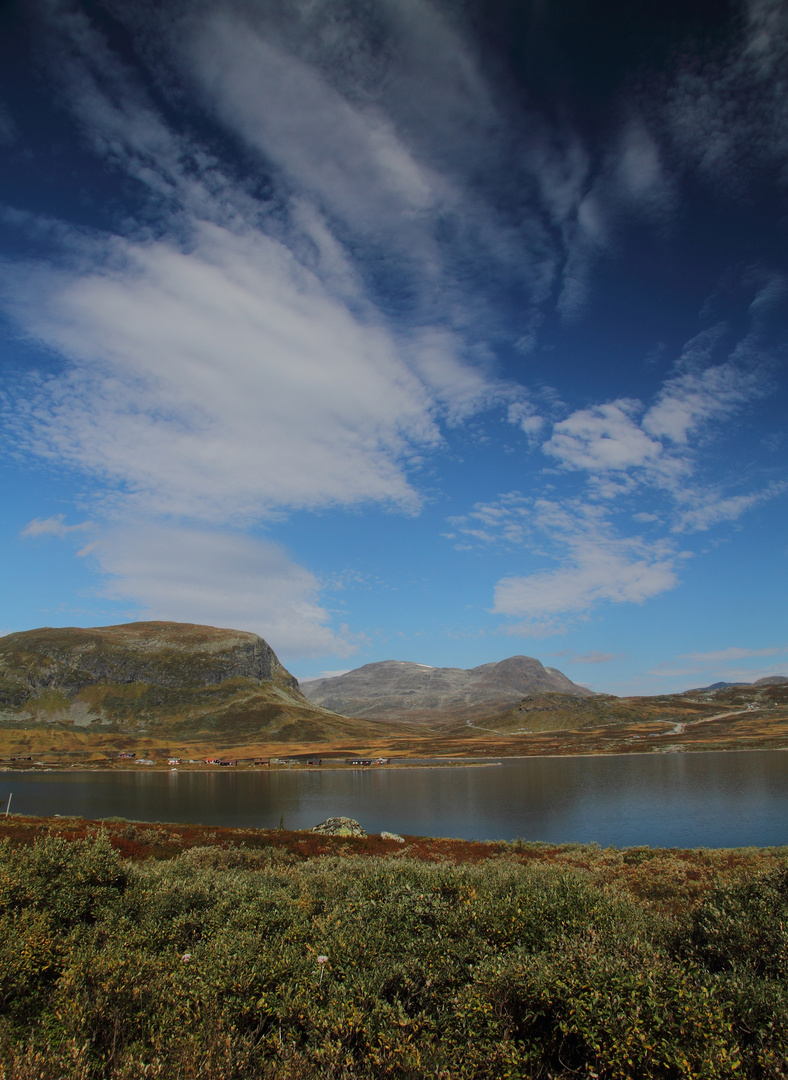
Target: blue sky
(407,330)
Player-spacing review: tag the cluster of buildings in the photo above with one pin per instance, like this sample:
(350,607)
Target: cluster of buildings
(174,762)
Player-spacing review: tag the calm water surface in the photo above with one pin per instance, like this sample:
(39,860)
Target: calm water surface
(665,800)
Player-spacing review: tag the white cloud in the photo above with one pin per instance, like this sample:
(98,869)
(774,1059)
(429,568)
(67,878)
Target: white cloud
(504,521)
(728,115)
(629,451)
(596,564)
(225,381)
(601,438)
(694,398)
(599,569)
(289,111)
(592,205)
(380,122)
(219,579)
(53,526)
(235,365)
(525,416)
(725,665)
(708,509)
(638,167)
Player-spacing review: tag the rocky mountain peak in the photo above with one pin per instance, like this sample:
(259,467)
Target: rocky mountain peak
(396,689)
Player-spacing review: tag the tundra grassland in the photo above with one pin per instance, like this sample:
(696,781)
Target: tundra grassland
(737,718)
(130,951)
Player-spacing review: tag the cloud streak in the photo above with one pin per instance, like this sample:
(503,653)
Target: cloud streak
(53,526)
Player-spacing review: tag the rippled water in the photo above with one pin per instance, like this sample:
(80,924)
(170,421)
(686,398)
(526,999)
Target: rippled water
(663,800)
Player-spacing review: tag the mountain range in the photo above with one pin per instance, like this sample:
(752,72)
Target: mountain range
(165,688)
(768,680)
(402,690)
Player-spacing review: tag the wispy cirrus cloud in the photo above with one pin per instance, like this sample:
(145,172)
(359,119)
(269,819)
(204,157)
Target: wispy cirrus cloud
(709,509)
(53,526)
(733,652)
(596,570)
(727,115)
(240,330)
(725,665)
(631,180)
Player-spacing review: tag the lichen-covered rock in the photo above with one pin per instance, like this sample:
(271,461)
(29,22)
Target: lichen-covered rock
(392,836)
(340,826)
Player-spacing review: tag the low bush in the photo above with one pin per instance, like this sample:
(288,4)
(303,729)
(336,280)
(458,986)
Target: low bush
(236,965)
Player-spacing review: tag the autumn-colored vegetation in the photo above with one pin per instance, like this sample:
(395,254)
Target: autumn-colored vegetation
(130,950)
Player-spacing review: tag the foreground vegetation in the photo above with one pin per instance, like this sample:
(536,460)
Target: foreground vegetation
(130,954)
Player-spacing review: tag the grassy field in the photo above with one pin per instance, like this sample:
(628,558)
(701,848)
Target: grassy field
(131,951)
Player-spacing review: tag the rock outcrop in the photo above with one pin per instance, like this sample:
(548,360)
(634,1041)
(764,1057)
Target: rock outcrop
(340,826)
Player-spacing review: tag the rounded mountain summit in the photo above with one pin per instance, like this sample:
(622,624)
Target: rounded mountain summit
(401,690)
(158,678)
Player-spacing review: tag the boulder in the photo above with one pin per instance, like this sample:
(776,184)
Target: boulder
(392,836)
(340,826)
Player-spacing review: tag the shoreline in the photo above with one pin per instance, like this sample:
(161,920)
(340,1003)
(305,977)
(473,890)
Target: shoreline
(451,763)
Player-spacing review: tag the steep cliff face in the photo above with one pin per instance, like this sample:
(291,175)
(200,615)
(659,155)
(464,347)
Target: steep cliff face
(157,654)
(158,678)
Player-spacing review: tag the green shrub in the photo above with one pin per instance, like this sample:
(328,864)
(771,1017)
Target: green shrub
(228,966)
(72,881)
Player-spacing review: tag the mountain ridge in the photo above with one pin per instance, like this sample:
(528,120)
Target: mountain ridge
(403,689)
(767,680)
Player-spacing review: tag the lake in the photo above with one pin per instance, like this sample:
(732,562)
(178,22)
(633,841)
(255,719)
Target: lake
(661,800)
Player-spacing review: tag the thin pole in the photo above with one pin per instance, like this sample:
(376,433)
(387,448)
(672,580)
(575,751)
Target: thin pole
(8,804)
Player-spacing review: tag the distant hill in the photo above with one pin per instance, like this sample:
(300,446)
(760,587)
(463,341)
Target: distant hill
(768,680)
(402,690)
(159,678)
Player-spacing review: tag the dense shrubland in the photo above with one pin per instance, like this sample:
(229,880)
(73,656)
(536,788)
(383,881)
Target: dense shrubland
(238,964)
